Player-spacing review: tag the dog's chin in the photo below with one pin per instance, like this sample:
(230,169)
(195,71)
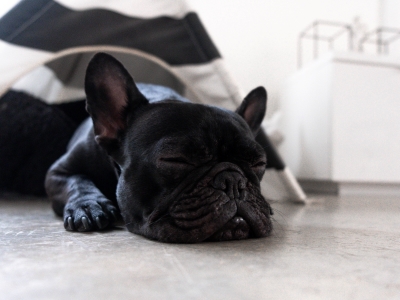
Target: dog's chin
(207,214)
(236,229)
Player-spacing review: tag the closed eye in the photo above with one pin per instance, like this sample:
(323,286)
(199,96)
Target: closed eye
(259,164)
(176,160)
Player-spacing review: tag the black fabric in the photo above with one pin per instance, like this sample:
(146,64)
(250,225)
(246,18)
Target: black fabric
(20,17)
(75,111)
(49,26)
(33,135)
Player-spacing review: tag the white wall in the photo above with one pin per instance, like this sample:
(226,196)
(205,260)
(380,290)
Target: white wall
(391,13)
(391,18)
(258,38)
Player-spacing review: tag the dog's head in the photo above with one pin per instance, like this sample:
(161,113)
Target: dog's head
(188,172)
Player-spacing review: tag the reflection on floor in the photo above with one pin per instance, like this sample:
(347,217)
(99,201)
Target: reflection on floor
(332,248)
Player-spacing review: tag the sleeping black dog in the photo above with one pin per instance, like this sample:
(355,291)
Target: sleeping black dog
(175,171)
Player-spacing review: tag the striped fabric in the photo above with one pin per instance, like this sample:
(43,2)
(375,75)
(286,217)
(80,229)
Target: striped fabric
(163,34)
(45,46)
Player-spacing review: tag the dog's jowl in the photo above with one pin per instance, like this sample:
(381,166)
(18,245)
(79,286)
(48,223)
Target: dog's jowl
(175,171)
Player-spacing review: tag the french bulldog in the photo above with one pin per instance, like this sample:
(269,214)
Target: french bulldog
(175,171)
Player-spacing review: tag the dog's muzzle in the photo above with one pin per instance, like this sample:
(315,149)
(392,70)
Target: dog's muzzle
(224,193)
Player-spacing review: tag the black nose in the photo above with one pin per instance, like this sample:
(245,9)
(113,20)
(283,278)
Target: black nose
(231,182)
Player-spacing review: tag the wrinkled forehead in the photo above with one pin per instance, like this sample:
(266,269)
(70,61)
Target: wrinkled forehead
(175,120)
(198,131)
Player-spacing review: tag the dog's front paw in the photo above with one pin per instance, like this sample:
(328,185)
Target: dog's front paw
(89,214)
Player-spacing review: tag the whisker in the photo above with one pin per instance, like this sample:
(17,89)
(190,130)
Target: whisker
(278,228)
(281,215)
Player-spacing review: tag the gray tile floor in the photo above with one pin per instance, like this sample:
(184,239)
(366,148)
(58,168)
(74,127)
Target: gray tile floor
(332,248)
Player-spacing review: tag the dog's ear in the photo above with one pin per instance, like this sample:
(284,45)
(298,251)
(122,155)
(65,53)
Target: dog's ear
(253,108)
(110,95)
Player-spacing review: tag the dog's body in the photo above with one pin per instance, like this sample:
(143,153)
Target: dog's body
(175,171)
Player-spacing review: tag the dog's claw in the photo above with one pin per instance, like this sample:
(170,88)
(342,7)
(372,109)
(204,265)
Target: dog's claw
(70,224)
(85,223)
(89,215)
(98,222)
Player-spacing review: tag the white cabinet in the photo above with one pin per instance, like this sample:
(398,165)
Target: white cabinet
(341,119)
